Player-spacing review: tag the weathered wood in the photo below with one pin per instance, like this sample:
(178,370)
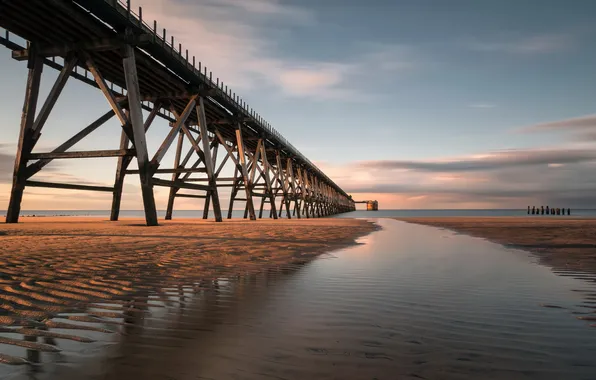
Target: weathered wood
(69,186)
(268,181)
(103,86)
(174,190)
(244,171)
(122,164)
(283,181)
(180,195)
(292,185)
(219,179)
(83,154)
(37,166)
(234,189)
(171,171)
(26,143)
(180,184)
(98,44)
(208,160)
(208,196)
(55,92)
(138,129)
(172,134)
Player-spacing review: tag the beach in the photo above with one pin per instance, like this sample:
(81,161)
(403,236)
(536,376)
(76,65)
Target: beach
(55,265)
(565,243)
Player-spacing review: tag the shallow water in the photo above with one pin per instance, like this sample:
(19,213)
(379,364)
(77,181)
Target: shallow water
(410,302)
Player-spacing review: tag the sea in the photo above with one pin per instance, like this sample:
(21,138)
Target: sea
(588,213)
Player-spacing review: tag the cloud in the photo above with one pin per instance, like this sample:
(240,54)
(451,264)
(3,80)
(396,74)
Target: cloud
(238,41)
(491,161)
(576,123)
(511,178)
(529,45)
(582,128)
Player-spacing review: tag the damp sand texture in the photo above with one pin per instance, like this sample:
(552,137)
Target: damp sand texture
(59,267)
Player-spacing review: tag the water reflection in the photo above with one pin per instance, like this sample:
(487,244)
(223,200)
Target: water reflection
(412,302)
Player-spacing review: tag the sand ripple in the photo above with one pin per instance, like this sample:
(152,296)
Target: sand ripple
(96,273)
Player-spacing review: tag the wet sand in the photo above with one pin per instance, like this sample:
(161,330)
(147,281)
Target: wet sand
(563,243)
(411,302)
(59,267)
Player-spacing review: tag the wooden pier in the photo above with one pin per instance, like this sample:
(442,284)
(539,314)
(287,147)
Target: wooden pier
(370,205)
(137,67)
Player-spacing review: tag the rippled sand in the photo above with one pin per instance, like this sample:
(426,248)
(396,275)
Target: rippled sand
(563,242)
(53,270)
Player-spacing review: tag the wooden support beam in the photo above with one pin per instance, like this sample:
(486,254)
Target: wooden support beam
(222,179)
(268,181)
(26,143)
(174,190)
(69,186)
(55,92)
(123,163)
(283,182)
(179,184)
(191,196)
(178,170)
(138,129)
(103,86)
(97,44)
(234,191)
(83,154)
(244,172)
(208,197)
(172,134)
(230,121)
(292,186)
(208,160)
(32,169)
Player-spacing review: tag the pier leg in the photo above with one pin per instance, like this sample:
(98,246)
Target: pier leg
(174,190)
(123,162)
(250,208)
(234,191)
(268,180)
(138,131)
(284,185)
(119,180)
(208,160)
(261,208)
(206,206)
(26,142)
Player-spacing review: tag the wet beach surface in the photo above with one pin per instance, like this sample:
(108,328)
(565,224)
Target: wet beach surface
(410,302)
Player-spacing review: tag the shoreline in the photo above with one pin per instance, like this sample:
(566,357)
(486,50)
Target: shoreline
(563,243)
(52,267)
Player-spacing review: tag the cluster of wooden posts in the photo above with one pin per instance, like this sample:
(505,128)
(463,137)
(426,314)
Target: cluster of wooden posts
(265,166)
(534,210)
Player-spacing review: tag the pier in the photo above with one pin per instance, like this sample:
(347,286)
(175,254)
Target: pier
(137,67)
(370,205)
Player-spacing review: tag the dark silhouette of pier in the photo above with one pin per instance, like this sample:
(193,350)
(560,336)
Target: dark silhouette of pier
(370,205)
(104,44)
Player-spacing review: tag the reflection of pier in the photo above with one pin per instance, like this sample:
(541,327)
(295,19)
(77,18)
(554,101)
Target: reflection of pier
(370,205)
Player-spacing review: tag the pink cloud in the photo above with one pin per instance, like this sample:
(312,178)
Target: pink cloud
(234,39)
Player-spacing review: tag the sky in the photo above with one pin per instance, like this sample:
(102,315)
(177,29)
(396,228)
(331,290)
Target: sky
(417,103)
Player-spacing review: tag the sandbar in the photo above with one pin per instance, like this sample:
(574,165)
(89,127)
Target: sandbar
(55,265)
